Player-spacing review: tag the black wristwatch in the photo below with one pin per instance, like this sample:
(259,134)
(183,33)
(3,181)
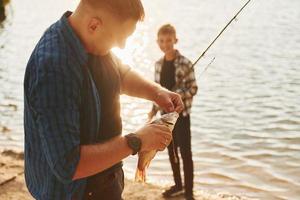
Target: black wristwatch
(134,142)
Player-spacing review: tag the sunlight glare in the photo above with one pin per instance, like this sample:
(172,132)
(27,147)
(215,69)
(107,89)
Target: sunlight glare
(126,54)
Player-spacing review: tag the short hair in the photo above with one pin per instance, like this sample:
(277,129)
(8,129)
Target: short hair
(123,9)
(166,29)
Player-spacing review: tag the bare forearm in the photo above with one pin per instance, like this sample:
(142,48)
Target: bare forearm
(98,157)
(135,85)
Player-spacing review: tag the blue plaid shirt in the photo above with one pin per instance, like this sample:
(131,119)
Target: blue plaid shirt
(61,112)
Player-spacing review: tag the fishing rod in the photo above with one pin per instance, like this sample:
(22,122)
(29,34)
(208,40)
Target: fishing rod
(234,17)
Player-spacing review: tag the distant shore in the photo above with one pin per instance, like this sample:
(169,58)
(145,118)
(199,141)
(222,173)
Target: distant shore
(12,186)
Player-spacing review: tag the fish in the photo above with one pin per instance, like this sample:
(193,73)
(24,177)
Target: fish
(145,157)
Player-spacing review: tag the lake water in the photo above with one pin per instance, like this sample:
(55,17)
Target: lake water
(246,115)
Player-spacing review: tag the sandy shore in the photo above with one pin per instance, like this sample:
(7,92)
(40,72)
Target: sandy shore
(12,186)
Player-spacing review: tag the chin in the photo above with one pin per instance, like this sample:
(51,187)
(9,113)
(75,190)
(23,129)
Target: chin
(103,53)
(164,51)
(169,51)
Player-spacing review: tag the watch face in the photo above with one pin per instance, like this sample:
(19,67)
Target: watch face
(134,143)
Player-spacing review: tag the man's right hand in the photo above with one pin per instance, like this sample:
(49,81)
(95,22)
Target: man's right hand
(154,137)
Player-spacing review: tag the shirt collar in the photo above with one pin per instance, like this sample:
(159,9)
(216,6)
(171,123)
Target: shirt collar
(73,39)
(177,55)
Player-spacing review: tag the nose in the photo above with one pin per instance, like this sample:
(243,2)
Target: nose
(164,46)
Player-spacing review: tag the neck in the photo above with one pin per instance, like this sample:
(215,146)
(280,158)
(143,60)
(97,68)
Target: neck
(77,21)
(170,55)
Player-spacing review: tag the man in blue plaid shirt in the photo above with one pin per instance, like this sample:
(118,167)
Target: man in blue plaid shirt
(73,130)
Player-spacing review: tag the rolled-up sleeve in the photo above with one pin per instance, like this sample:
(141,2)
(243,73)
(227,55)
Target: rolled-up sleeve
(189,88)
(55,96)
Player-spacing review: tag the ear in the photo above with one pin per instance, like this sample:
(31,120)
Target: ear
(94,24)
(176,40)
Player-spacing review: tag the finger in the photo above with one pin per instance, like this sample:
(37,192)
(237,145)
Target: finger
(169,141)
(162,147)
(166,141)
(168,137)
(163,144)
(165,128)
(165,135)
(164,138)
(161,127)
(178,104)
(179,108)
(169,106)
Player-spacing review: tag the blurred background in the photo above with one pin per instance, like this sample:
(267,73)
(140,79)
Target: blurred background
(246,115)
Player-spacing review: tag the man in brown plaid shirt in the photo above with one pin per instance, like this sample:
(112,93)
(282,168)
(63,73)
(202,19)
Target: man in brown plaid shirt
(175,72)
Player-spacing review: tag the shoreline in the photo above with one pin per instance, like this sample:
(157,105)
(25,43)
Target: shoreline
(12,184)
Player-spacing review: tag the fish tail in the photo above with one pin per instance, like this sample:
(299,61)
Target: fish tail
(140,176)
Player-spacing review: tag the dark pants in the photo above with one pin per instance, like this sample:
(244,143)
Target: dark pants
(108,187)
(182,139)
(2,11)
